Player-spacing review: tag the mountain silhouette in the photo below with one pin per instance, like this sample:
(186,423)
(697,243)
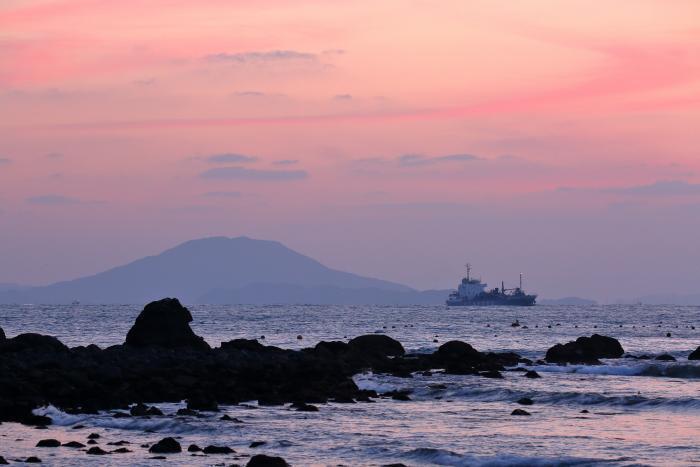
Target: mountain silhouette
(225,270)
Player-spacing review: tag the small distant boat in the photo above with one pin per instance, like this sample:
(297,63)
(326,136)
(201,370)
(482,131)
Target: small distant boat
(472,292)
(75,302)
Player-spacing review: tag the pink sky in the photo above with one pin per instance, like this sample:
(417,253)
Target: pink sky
(389,138)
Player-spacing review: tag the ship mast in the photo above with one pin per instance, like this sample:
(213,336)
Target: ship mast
(521,281)
(469,269)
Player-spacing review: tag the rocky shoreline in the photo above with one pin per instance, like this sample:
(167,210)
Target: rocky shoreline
(163,360)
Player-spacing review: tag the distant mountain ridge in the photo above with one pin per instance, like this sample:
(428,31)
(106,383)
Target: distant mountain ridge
(224,270)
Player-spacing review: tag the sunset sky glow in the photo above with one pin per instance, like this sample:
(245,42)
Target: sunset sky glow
(395,139)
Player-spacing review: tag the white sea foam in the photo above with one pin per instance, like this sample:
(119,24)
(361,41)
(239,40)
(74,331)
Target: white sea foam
(449,458)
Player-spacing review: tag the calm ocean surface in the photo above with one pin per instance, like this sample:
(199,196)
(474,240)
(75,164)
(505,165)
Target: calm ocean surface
(640,412)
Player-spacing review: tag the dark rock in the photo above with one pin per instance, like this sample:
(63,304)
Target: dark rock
(142,410)
(121,451)
(33,460)
(194,448)
(531,374)
(695,354)
(585,350)
(457,350)
(118,443)
(399,395)
(491,374)
(525,401)
(203,403)
(160,458)
(2,335)
(164,323)
(304,407)
(165,446)
(243,344)
(376,344)
(73,444)
(520,412)
(585,411)
(187,413)
(2,459)
(48,443)
(121,415)
(666,358)
(96,451)
(31,342)
(257,444)
(93,436)
(217,450)
(261,460)
(92,441)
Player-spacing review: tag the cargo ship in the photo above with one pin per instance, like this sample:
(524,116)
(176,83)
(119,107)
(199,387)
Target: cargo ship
(473,292)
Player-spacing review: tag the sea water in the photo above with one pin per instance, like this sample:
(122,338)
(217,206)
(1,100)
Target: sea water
(624,412)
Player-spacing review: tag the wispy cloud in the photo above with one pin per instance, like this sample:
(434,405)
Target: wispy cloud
(223,194)
(5,160)
(286,162)
(660,188)
(262,57)
(343,97)
(244,173)
(52,200)
(230,157)
(54,155)
(413,160)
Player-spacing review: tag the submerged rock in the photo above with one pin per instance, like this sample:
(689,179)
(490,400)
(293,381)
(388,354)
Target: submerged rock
(73,444)
(666,358)
(585,350)
(261,460)
(525,401)
(520,412)
(164,323)
(166,446)
(532,374)
(217,450)
(33,460)
(193,448)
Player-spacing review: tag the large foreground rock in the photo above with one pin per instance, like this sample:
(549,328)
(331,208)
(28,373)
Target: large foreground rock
(377,344)
(695,354)
(2,335)
(164,323)
(585,350)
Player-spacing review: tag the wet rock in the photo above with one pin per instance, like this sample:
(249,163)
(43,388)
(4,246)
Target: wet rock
(118,443)
(92,441)
(525,401)
(73,444)
(584,411)
(457,351)
(491,374)
(193,448)
(261,460)
(376,344)
(695,354)
(666,358)
(142,410)
(96,451)
(585,350)
(520,412)
(304,407)
(217,450)
(203,403)
(532,374)
(2,459)
(93,436)
(31,342)
(257,444)
(165,446)
(48,443)
(121,415)
(164,323)
(33,460)
(187,413)
(2,335)
(398,395)
(121,451)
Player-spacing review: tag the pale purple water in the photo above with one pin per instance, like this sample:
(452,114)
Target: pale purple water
(641,412)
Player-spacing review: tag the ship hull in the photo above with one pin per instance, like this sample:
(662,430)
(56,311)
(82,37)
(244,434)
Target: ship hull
(496,300)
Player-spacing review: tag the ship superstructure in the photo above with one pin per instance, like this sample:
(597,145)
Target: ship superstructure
(473,292)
